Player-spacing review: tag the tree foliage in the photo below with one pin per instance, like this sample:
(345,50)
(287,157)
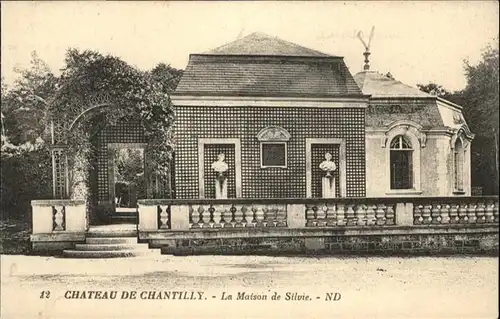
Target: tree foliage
(39,96)
(481,93)
(480,103)
(23,106)
(434,89)
(25,158)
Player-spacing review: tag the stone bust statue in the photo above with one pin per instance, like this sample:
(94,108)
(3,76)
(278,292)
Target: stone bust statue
(220,166)
(328,165)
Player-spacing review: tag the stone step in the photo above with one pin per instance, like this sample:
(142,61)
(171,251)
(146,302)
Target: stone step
(111,240)
(111,254)
(124,219)
(115,233)
(116,230)
(110,247)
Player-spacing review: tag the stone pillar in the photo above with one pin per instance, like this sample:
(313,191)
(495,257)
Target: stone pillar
(328,187)
(221,188)
(76,215)
(41,218)
(148,217)
(179,216)
(296,215)
(71,215)
(404,214)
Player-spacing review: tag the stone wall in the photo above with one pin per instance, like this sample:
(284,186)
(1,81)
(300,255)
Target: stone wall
(407,244)
(436,170)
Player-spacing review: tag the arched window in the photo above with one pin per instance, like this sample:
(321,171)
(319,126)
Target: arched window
(458,163)
(401,161)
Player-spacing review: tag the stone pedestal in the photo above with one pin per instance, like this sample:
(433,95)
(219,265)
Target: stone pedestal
(221,188)
(328,187)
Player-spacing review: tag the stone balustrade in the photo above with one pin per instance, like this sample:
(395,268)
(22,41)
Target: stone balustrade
(234,216)
(294,223)
(199,214)
(462,210)
(58,224)
(56,216)
(331,214)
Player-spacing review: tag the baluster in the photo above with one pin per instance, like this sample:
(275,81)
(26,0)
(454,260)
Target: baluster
(389,215)
(331,215)
(462,213)
(310,215)
(370,215)
(361,214)
(321,215)
(351,218)
(259,216)
(489,212)
(445,214)
(164,216)
(435,214)
(266,215)
(58,218)
(426,214)
(244,212)
(315,214)
(480,213)
(495,212)
(380,214)
(217,216)
(272,216)
(454,219)
(418,219)
(471,213)
(228,216)
(238,216)
(214,216)
(252,221)
(204,216)
(341,215)
(281,216)
(193,216)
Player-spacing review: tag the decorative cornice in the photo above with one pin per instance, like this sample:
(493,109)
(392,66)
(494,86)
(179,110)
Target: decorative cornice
(270,101)
(464,134)
(273,133)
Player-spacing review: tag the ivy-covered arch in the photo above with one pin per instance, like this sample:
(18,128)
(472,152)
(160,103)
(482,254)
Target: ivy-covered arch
(96,91)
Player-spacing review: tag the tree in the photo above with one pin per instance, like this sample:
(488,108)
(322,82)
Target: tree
(435,89)
(38,94)
(481,104)
(23,105)
(25,158)
(166,76)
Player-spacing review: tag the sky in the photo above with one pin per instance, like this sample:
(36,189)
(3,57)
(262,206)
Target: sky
(417,42)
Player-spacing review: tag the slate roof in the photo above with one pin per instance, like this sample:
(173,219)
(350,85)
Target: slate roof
(400,102)
(425,113)
(259,43)
(380,86)
(261,65)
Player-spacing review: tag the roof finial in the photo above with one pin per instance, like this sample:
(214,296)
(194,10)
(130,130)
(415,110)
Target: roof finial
(367,53)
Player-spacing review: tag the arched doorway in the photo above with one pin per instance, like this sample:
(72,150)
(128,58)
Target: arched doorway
(111,168)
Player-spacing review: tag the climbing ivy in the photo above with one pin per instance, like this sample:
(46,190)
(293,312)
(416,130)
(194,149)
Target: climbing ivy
(94,86)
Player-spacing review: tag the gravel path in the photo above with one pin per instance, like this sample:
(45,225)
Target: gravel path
(423,287)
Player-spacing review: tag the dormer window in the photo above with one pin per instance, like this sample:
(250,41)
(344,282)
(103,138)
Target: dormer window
(273,147)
